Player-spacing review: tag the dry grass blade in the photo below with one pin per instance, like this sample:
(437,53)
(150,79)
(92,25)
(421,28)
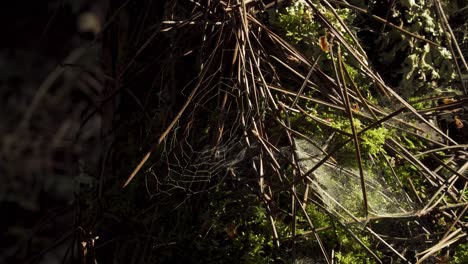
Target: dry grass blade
(322,248)
(453,40)
(348,31)
(445,242)
(460,215)
(387,244)
(349,111)
(304,84)
(462,146)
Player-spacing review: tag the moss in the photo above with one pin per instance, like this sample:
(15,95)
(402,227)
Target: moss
(347,250)
(299,25)
(372,140)
(236,230)
(461,254)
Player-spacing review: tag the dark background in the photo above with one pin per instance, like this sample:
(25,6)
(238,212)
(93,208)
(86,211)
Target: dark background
(45,147)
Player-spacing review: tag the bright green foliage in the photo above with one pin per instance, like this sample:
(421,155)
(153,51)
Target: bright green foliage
(372,140)
(300,26)
(461,254)
(354,256)
(411,142)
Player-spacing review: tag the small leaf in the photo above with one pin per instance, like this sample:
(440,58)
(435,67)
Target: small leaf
(323,42)
(458,122)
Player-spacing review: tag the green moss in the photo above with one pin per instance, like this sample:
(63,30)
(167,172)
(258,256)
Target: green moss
(236,230)
(461,254)
(372,140)
(299,25)
(353,257)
